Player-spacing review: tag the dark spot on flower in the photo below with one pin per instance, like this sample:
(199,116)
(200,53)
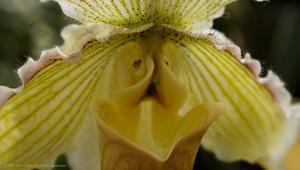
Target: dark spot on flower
(151,89)
(137,64)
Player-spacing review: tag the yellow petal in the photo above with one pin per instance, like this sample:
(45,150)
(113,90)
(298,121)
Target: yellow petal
(140,110)
(40,122)
(254,127)
(118,152)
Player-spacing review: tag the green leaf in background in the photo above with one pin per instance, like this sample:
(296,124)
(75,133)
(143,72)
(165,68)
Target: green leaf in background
(61,163)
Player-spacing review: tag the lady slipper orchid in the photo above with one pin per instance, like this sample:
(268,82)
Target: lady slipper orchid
(139,84)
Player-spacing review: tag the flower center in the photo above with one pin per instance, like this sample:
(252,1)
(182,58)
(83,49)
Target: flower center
(143,98)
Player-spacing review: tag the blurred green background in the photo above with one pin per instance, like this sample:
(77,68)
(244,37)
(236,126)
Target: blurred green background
(269,30)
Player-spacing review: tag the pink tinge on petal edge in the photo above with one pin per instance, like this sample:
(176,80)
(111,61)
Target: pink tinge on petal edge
(31,67)
(27,71)
(271,81)
(252,64)
(277,87)
(5,93)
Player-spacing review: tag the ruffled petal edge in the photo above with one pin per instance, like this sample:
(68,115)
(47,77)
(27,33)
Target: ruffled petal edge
(271,81)
(76,36)
(70,51)
(27,71)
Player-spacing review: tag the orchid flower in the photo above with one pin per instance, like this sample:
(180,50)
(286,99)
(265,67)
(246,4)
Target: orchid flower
(140,84)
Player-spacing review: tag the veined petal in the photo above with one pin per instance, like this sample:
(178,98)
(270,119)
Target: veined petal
(254,127)
(190,15)
(77,36)
(127,13)
(39,123)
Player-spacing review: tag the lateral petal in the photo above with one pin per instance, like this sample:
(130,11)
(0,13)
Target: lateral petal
(254,127)
(39,123)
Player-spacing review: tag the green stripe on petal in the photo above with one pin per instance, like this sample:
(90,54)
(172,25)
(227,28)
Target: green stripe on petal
(77,36)
(254,128)
(40,122)
(128,13)
(190,15)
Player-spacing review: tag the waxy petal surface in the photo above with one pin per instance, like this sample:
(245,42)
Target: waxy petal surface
(188,15)
(40,122)
(254,127)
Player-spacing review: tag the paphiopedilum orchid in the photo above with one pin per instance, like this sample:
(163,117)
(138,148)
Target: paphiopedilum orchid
(137,85)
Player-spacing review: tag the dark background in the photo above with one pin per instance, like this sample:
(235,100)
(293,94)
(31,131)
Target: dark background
(270,31)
